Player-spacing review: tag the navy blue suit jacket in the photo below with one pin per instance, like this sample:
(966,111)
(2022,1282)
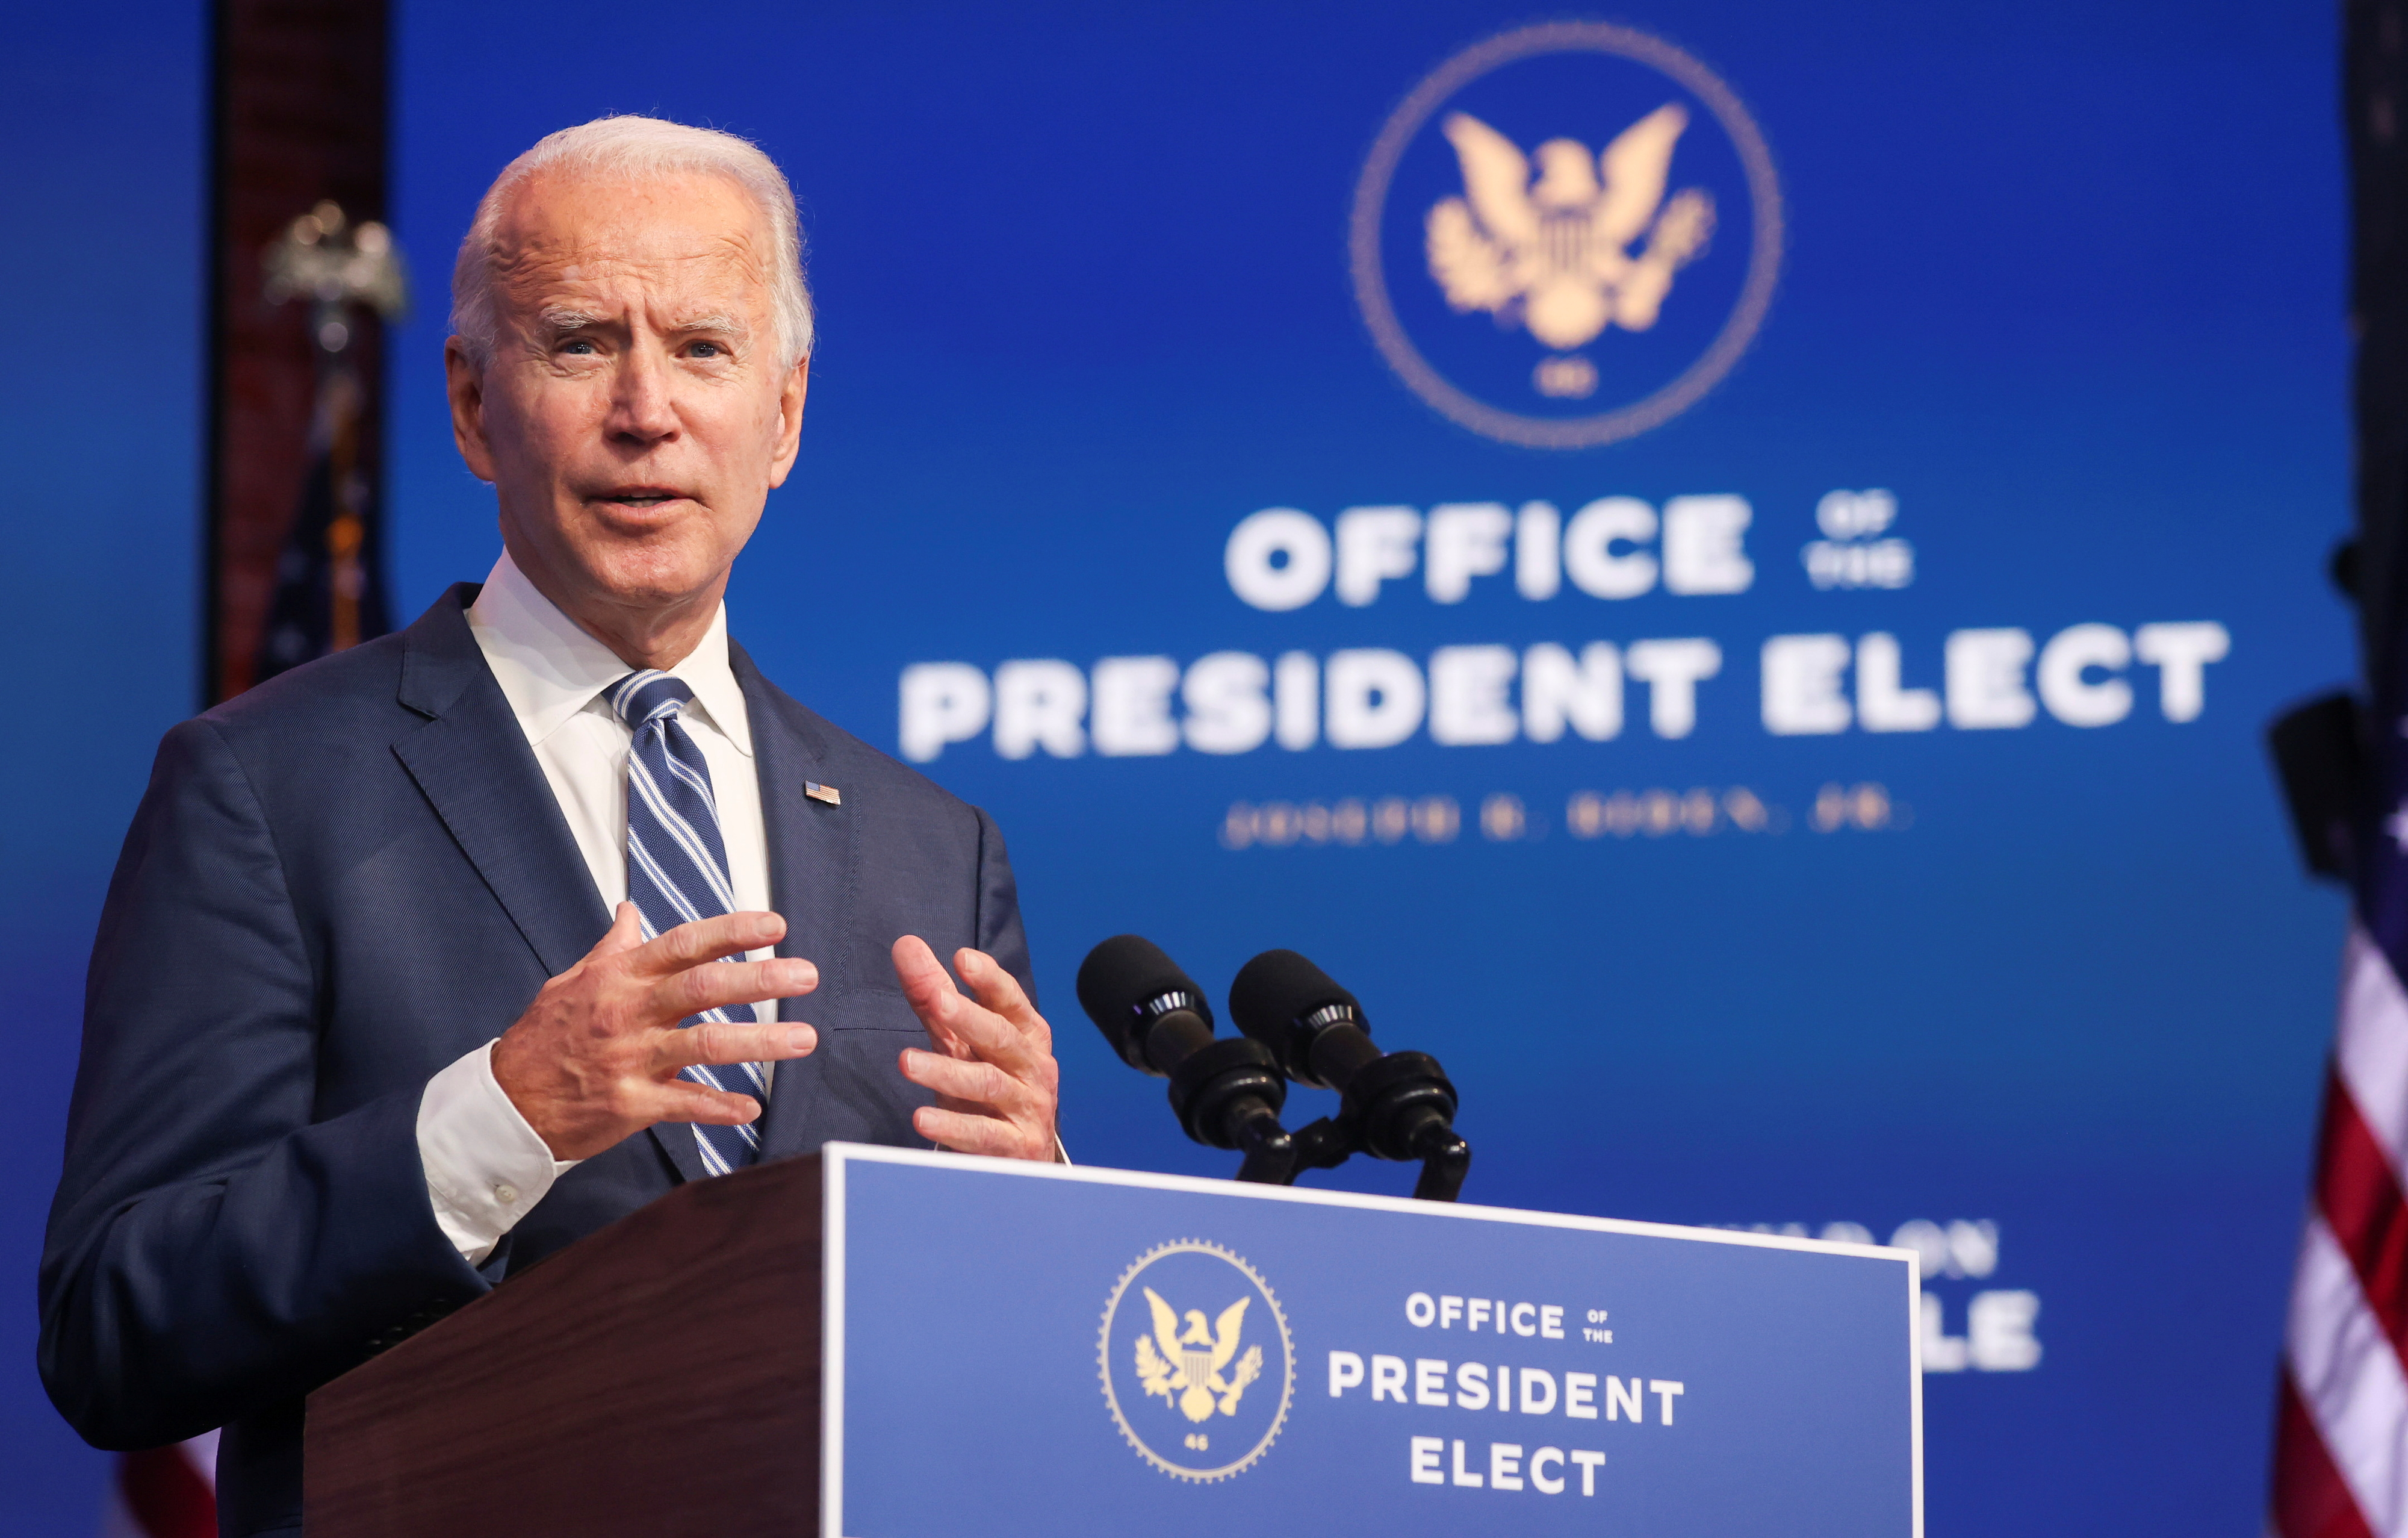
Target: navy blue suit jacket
(336,884)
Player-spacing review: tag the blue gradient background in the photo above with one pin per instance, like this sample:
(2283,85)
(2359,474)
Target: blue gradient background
(2068,278)
(102,123)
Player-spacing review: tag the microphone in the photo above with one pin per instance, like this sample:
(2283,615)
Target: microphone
(1226,1092)
(1396,1105)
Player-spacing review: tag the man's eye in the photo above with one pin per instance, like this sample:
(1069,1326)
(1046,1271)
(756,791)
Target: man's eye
(709,349)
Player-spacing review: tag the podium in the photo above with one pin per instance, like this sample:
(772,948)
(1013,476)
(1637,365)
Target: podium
(888,1343)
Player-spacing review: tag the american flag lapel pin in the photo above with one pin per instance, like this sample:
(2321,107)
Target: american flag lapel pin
(817,791)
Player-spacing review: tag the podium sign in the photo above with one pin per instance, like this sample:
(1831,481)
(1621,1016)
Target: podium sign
(1099,1350)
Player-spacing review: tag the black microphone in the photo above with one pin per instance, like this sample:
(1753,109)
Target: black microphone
(1396,1105)
(1228,1092)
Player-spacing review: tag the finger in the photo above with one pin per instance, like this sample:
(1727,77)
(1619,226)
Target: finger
(728,984)
(625,933)
(970,1134)
(977,1084)
(929,991)
(977,1033)
(1001,992)
(682,1099)
(708,940)
(717,1042)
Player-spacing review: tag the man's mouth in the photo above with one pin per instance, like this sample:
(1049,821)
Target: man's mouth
(640,496)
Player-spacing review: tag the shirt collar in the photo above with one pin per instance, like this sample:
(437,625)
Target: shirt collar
(549,667)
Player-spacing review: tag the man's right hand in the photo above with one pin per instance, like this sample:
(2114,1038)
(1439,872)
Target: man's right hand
(594,1059)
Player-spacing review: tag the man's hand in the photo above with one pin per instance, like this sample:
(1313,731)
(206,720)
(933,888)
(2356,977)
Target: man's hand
(595,1057)
(998,1088)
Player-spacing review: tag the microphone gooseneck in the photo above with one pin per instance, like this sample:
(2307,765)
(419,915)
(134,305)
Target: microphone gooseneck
(1396,1105)
(1226,1092)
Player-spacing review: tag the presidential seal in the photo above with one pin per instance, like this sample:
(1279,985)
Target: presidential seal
(1567,235)
(1198,1366)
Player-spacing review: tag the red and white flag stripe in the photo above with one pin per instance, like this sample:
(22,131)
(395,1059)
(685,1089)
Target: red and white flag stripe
(165,1492)
(2340,1447)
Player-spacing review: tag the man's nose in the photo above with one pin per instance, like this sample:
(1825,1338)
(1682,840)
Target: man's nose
(641,408)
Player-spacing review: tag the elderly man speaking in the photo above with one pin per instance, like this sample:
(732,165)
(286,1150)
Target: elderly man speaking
(424,961)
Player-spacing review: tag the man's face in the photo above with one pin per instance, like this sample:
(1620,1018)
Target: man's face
(634,416)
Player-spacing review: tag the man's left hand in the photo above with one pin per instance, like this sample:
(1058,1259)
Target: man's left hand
(998,1088)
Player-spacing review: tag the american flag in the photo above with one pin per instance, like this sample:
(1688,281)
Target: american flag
(164,1492)
(2341,1446)
(2340,1440)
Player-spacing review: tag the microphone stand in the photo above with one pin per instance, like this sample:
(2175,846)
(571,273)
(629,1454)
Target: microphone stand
(1327,1143)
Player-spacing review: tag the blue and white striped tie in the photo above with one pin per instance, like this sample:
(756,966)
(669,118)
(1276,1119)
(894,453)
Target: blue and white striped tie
(677,870)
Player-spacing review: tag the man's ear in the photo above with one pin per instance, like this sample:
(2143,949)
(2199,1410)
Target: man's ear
(790,423)
(465,383)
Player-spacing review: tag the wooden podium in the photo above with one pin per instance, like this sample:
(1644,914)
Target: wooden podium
(660,1377)
(879,1343)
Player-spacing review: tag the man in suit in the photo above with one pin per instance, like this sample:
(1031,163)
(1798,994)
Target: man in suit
(425,960)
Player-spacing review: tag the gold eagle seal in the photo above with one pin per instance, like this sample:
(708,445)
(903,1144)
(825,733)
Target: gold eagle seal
(1177,1377)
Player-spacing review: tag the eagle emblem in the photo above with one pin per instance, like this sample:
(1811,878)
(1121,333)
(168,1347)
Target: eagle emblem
(1184,1366)
(1554,253)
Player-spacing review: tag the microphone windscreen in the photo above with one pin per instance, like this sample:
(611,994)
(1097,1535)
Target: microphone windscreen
(1276,989)
(1123,972)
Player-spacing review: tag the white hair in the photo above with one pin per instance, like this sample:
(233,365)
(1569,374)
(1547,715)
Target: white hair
(640,148)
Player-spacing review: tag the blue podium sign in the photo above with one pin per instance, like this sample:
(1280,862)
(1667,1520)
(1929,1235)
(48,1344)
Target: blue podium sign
(1016,1348)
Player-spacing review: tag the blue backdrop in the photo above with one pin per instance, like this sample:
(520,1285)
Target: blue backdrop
(101,118)
(2065,281)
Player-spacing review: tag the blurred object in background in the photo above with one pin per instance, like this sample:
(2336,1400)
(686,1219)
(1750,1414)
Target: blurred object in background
(291,565)
(2319,760)
(2319,748)
(2341,1435)
(164,1492)
(295,437)
(330,591)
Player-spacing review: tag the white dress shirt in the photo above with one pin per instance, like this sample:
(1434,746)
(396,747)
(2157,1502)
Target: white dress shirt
(485,1166)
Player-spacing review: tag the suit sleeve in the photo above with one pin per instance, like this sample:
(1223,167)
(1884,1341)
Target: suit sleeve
(215,1246)
(999,932)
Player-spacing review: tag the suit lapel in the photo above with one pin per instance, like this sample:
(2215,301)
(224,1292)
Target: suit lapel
(811,859)
(473,764)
